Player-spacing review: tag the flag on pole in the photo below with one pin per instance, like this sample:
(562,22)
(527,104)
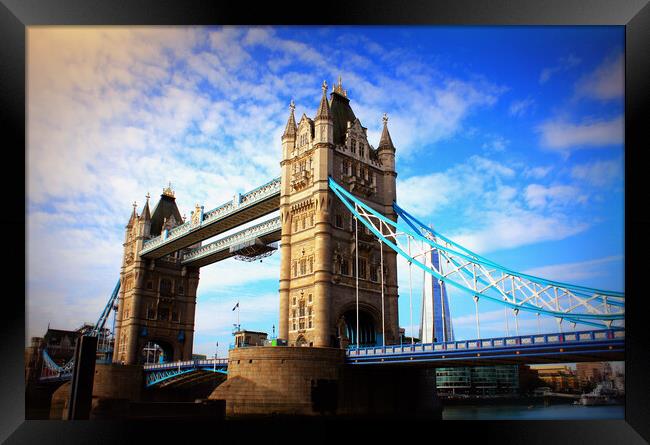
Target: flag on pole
(236,306)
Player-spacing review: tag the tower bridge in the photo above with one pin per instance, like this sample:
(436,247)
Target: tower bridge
(340,231)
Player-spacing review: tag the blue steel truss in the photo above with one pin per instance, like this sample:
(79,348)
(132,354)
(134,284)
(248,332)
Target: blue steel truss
(157,373)
(479,277)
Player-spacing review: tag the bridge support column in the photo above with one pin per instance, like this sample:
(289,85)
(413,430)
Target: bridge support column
(285,282)
(322,279)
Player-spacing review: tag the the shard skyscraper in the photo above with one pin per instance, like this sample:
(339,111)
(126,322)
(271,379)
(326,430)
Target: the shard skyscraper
(435,323)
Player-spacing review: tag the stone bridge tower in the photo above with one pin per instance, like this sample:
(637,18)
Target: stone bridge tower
(157,296)
(317,275)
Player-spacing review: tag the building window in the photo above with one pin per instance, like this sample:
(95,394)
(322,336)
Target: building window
(163,314)
(294,302)
(302,323)
(295,272)
(293,313)
(151,314)
(373,273)
(311,220)
(310,325)
(304,223)
(181,291)
(362,268)
(149,284)
(303,267)
(310,298)
(311,264)
(353,146)
(165,287)
(338,221)
(294,325)
(361,150)
(345,269)
(302,308)
(175,316)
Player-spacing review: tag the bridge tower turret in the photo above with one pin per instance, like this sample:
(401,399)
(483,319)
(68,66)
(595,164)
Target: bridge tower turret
(157,296)
(317,276)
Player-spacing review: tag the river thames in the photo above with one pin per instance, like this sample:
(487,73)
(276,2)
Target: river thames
(535,412)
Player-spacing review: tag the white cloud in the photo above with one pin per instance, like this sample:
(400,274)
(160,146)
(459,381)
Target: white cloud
(575,272)
(497,215)
(564,64)
(428,194)
(562,136)
(539,196)
(537,172)
(517,228)
(599,173)
(606,82)
(521,107)
(496,144)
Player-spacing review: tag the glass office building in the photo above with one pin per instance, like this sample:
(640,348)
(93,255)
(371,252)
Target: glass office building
(480,381)
(435,321)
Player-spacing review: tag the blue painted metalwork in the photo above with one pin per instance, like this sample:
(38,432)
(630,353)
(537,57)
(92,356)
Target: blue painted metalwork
(101,321)
(587,291)
(159,372)
(597,342)
(364,213)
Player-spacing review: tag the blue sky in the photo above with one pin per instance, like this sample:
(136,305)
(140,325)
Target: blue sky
(509,140)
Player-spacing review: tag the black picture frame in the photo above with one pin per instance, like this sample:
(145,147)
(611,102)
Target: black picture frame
(16,15)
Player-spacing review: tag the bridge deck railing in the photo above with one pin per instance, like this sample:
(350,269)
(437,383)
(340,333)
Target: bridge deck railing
(186,364)
(240,202)
(488,343)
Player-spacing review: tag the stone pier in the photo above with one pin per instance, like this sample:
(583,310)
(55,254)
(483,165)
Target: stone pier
(264,381)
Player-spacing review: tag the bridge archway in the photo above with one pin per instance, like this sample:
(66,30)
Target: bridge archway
(157,351)
(347,327)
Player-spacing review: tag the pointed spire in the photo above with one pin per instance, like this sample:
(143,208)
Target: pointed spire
(167,191)
(324,107)
(134,215)
(291,128)
(339,88)
(146,214)
(385,141)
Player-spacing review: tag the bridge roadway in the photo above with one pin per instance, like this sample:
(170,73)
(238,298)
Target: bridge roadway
(583,346)
(268,232)
(241,210)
